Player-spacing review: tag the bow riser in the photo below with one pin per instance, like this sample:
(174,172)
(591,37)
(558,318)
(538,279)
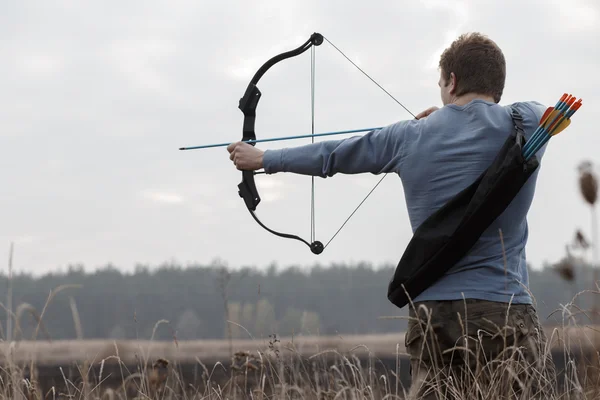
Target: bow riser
(247,188)
(248,105)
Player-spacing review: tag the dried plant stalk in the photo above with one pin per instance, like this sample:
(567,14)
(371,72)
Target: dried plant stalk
(588,183)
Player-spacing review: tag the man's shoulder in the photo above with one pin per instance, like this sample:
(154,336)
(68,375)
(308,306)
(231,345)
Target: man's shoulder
(451,115)
(530,108)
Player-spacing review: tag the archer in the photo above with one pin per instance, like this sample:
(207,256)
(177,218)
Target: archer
(436,155)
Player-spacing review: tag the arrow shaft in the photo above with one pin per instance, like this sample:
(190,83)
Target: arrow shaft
(282,138)
(543,136)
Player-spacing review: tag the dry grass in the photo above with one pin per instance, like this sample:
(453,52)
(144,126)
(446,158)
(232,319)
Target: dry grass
(356,367)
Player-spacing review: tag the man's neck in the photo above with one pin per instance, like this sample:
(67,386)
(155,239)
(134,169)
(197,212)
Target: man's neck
(467,98)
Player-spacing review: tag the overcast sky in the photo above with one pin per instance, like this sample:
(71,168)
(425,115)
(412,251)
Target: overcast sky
(96,99)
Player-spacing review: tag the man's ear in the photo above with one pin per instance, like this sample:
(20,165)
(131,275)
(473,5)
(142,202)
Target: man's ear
(452,83)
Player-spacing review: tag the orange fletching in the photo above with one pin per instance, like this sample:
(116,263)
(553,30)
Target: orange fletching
(546,114)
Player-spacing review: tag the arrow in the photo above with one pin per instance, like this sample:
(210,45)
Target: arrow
(551,113)
(554,120)
(560,119)
(551,116)
(282,138)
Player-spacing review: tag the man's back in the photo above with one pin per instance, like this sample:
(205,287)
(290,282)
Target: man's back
(444,155)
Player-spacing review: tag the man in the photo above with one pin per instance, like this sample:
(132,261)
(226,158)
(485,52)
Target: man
(437,155)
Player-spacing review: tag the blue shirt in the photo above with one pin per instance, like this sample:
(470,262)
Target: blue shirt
(437,157)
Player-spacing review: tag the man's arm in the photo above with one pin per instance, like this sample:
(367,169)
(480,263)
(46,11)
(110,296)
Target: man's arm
(375,152)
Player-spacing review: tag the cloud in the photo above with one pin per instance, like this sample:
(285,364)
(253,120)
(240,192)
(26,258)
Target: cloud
(576,16)
(26,239)
(39,65)
(269,196)
(271,188)
(434,59)
(140,61)
(163,197)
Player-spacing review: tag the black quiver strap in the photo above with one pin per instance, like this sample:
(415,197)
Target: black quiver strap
(448,234)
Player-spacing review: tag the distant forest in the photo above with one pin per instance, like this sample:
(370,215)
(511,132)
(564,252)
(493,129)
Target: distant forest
(197,302)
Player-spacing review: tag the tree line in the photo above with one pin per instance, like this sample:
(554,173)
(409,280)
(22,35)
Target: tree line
(198,301)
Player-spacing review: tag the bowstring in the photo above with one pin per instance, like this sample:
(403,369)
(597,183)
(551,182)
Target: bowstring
(383,177)
(312,113)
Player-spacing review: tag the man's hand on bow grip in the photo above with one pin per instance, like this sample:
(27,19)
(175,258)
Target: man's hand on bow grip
(245,156)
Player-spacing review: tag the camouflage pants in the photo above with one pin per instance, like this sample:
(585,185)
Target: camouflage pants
(495,352)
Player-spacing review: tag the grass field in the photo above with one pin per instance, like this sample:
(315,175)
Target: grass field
(358,366)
